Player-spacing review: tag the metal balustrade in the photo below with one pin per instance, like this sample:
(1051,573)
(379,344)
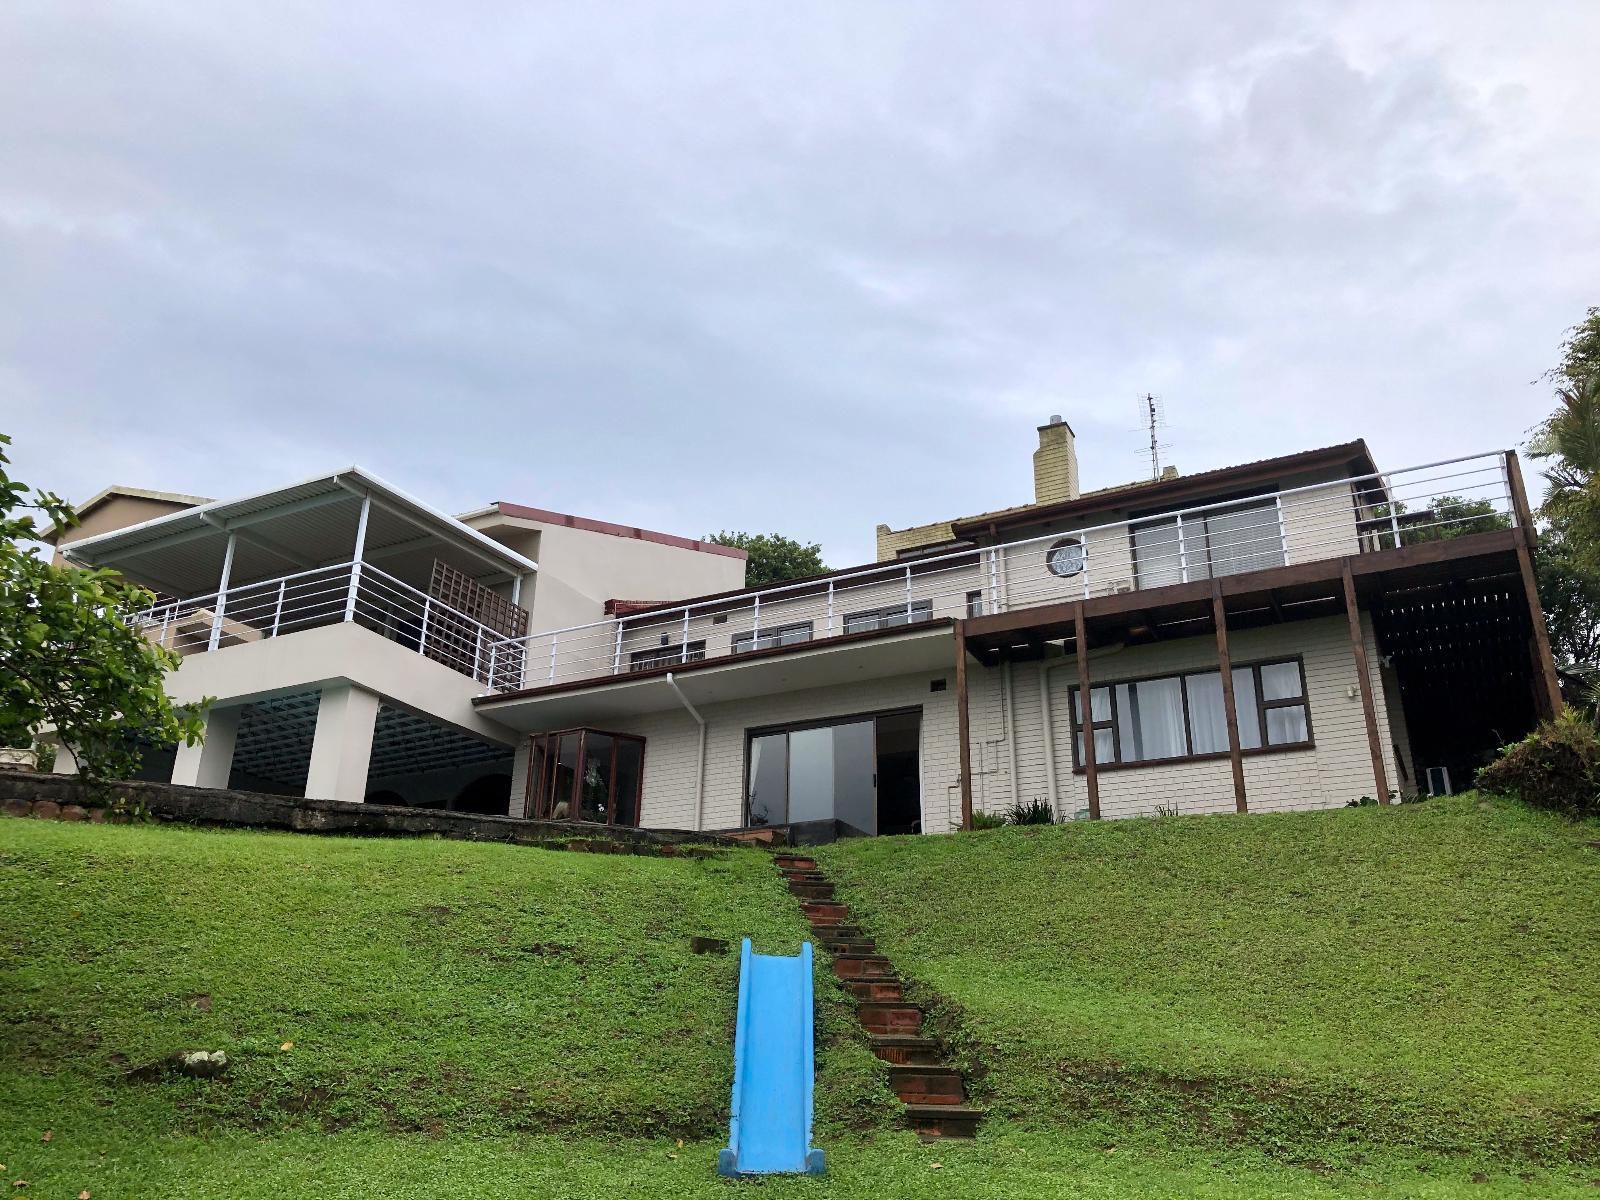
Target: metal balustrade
(1306,523)
(345,592)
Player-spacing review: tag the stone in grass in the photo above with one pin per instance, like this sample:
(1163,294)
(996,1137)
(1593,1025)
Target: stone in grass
(200,1064)
(708,945)
(74,812)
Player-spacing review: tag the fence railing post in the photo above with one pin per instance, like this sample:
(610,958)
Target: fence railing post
(908,594)
(422,638)
(994,579)
(1283,529)
(616,654)
(1183,553)
(277,613)
(554,637)
(477,650)
(1394,511)
(830,608)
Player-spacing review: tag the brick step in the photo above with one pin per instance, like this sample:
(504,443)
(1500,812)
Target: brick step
(890,1017)
(803,877)
(811,891)
(923,1084)
(825,912)
(906,1049)
(837,946)
(943,1120)
(842,933)
(875,991)
(795,862)
(848,965)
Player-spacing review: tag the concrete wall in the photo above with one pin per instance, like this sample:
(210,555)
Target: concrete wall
(580,569)
(1336,769)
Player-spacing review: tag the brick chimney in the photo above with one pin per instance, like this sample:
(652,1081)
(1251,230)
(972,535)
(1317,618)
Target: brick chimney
(1055,464)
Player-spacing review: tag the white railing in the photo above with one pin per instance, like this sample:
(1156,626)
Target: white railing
(331,595)
(1289,525)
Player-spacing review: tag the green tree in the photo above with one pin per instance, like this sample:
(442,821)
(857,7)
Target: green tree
(67,657)
(773,557)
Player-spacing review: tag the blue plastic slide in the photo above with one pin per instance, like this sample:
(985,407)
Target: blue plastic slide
(773,1068)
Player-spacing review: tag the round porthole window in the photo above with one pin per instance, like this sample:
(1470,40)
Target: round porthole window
(1065,558)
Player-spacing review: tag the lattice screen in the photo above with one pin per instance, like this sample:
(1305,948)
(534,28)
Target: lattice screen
(454,641)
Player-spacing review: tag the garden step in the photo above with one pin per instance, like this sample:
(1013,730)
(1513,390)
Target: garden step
(795,862)
(944,1120)
(842,933)
(804,877)
(838,946)
(825,912)
(906,1049)
(876,991)
(862,966)
(922,1084)
(890,1017)
(812,891)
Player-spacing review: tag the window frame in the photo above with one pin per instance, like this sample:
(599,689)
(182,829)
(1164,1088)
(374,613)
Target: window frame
(752,732)
(921,610)
(654,657)
(975,603)
(1302,701)
(756,637)
(536,789)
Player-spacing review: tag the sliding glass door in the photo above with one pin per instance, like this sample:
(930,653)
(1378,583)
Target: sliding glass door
(826,772)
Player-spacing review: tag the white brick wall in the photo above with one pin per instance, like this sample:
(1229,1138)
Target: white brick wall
(1335,770)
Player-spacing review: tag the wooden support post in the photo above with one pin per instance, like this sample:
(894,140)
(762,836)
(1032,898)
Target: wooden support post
(963,725)
(1544,663)
(1358,647)
(1225,665)
(1086,721)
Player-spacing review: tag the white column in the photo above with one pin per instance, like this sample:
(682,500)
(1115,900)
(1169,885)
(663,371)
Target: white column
(66,762)
(355,560)
(341,749)
(209,764)
(222,595)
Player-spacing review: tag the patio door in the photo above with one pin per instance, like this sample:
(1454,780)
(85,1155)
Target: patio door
(829,772)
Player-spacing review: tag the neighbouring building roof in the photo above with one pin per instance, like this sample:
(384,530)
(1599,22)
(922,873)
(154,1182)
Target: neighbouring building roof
(591,525)
(105,495)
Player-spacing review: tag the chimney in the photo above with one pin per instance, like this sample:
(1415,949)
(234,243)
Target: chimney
(1055,464)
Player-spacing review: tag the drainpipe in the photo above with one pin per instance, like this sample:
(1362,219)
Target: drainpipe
(700,753)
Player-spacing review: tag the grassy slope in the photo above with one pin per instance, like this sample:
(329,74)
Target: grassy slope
(425,985)
(407,977)
(1424,975)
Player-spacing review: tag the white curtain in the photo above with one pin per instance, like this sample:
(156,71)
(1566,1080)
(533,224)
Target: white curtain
(1151,716)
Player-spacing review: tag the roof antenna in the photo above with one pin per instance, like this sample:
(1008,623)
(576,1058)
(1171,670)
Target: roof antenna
(1153,416)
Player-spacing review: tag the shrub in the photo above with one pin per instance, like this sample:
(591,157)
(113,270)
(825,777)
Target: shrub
(1032,812)
(1557,767)
(983,820)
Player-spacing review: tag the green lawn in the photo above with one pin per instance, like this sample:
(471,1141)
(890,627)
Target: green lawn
(485,1020)
(1422,976)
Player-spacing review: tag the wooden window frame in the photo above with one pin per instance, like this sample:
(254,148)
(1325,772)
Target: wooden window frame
(976,603)
(921,610)
(652,657)
(1302,701)
(536,791)
(756,636)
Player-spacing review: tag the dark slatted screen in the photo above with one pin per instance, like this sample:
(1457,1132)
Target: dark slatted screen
(452,640)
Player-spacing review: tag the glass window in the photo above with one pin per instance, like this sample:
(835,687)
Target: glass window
(594,795)
(1280,681)
(811,774)
(768,801)
(1287,725)
(1065,558)
(665,656)
(586,775)
(630,777)
(765,639)
(1150,719)
(1243,539)
(975,604)
(888,616)
(1155,554)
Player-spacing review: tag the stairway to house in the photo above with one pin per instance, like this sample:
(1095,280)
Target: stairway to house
(933,1092)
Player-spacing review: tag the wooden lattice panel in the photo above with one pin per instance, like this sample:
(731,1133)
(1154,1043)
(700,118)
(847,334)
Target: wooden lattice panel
(454,641)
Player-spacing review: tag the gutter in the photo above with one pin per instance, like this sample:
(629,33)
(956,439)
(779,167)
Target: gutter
(700,754)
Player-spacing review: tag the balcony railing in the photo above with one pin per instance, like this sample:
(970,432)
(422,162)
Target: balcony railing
(1305,523)
(331,595)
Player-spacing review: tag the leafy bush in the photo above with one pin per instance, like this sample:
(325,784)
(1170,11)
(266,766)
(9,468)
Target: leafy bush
(1557,766)
(983,820)
(1032,812)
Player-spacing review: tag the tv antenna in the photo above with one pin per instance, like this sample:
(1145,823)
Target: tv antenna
(1153,419)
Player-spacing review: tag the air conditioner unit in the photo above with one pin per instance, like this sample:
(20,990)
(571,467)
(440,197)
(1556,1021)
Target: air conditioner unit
(1118,586)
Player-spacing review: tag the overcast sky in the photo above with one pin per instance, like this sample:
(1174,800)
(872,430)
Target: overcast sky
(788,267)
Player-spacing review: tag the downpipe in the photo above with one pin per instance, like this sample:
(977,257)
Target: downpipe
(699,757)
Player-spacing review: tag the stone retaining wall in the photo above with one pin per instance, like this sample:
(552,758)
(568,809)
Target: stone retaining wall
(65,798)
